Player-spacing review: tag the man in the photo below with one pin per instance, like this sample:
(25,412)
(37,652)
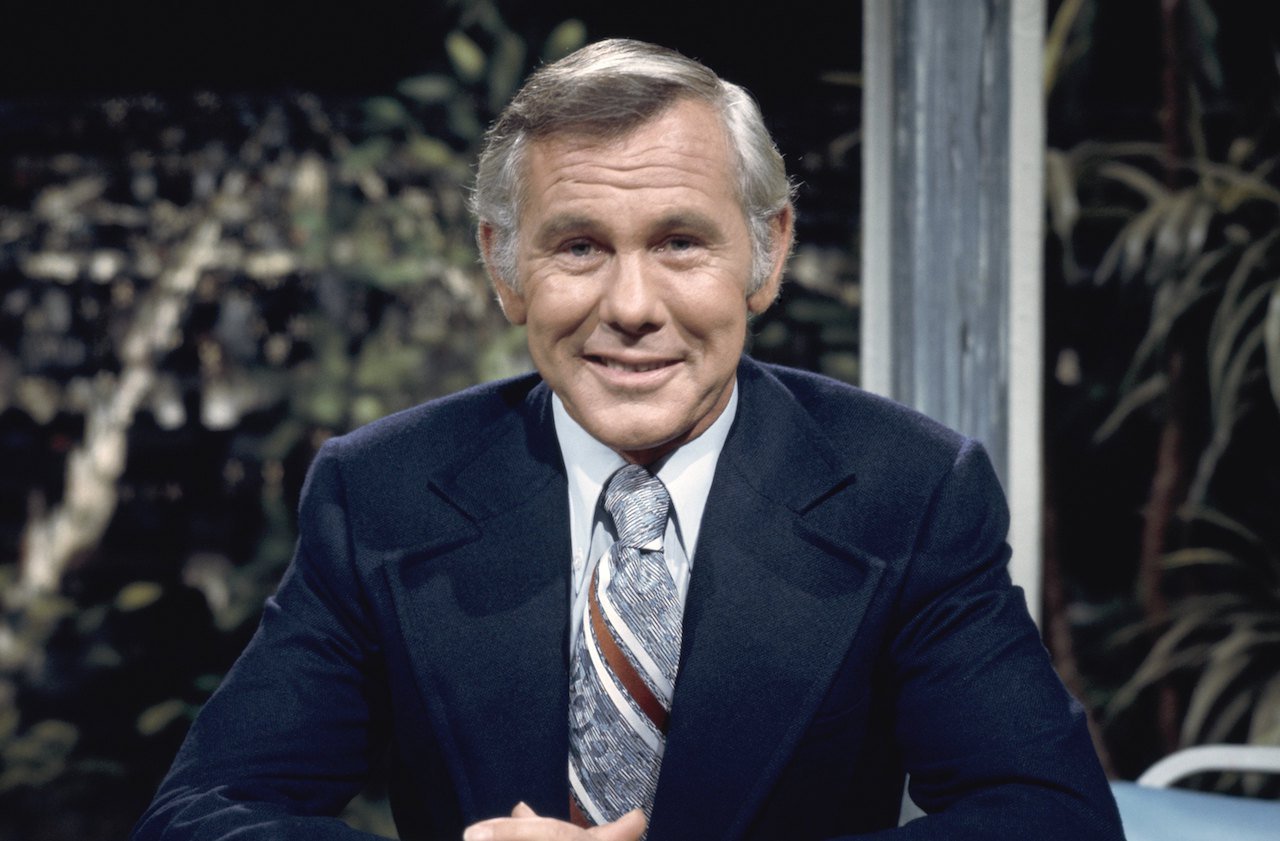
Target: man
(656,587)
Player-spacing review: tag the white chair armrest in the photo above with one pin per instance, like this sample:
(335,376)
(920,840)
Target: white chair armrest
(1195,760)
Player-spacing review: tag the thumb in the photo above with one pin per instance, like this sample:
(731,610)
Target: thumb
(629,827)
(523,810)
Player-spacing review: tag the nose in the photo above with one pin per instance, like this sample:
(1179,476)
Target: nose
(631,301)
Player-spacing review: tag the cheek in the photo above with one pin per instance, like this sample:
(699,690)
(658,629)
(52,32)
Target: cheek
(554,339)
(717,320)
(557,313)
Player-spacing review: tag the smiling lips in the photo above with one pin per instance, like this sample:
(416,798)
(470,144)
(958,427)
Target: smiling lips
(629,367)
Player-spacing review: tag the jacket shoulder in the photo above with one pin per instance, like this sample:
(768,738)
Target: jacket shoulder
(437,430)
(859,422)
(390,461)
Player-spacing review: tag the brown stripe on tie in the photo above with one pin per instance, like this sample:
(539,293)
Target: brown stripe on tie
(576,815)
(622,667)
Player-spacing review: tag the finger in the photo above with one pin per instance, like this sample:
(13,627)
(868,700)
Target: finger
(523,810)
(629,827)
(523,829)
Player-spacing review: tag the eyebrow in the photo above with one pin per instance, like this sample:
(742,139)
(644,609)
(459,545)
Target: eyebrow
(699,224)
(559,227)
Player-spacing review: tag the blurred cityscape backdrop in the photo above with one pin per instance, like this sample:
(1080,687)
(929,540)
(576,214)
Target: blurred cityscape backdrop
(230,233)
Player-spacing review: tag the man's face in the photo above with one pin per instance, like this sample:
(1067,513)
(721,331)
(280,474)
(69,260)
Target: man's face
(634,259)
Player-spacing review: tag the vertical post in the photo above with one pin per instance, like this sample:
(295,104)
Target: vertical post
(1025,472)
(953,121)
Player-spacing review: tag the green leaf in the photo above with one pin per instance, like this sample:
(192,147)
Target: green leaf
(394,275)
(506,69)
(1271,338)
(1209,693)
(207,683)
(137,595)
(1211,515)
(53,736)
(1227,402)
(103,656)
(462,120)
(1230,719)
(1126,254)
(388,367)
(9,720)
(1175,648)
(1204,24)
(1170,241)
(1232,312)
(466,57)
(564,39)
(1197,229)
(156,718)
(1060,194)
(1220,685)
(1133,400)
(281,441)
(1055,44)
(1136,179)
(1227,409)
(48,609)
(1201,556)
(1171,302)
(432,153)
(1151,671)
(1264,728)
(383,113)
(428,89)
(324,405)
(367,408)
(1240,186)
(367,155)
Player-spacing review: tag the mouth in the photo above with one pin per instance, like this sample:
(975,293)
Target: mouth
(629,367)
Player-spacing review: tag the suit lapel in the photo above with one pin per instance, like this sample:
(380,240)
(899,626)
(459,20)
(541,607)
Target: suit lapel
(484,608)
(775,599)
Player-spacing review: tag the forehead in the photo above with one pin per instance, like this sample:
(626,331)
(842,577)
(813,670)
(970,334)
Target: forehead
(682,153)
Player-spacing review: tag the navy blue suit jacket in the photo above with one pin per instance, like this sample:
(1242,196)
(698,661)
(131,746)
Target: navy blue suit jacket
(849,618)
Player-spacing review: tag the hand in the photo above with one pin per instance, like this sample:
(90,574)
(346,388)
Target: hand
(525,825)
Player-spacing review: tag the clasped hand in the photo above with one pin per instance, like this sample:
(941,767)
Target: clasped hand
(526,825)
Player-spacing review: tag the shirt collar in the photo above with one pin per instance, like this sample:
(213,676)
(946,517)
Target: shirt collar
(687,471)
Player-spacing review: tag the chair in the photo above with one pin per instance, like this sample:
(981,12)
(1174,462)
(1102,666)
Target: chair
(1151,811)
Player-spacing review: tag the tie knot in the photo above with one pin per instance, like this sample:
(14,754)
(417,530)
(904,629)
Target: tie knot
(638,502)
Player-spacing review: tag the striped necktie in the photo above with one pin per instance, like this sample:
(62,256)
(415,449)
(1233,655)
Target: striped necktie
(624,660)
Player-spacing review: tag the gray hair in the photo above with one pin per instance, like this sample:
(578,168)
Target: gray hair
(606,90)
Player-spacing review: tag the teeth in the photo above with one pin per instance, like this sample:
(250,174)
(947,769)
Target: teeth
(635,369)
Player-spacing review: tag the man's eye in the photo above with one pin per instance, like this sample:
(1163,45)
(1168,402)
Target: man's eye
(579,249)
(678,244)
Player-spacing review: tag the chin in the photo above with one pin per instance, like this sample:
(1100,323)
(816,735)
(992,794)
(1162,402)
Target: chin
(630,445)
(634,428)
(643,439)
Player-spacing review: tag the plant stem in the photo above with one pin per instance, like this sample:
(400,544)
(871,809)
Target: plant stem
(1168,488)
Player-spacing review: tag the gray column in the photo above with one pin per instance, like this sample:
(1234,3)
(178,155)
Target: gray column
(953,120)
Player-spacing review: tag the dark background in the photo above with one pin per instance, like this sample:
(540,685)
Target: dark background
(69,47)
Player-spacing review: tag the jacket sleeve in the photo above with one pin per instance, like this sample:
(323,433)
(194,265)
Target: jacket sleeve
(290,735)
(995,746)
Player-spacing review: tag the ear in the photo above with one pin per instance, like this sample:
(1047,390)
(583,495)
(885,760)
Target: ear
(783,228)
(509,298)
